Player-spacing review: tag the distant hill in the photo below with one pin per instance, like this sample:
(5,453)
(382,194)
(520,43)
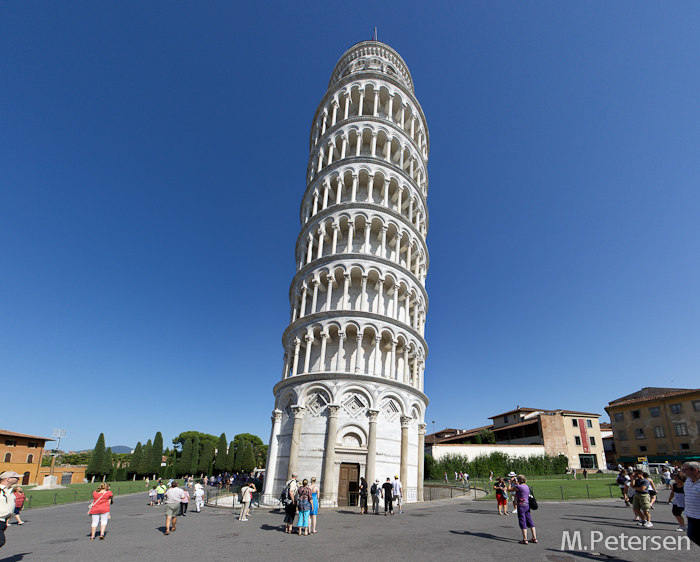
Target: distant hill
(119,449)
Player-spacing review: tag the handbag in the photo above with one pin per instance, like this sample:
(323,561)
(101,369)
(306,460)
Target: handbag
(532,501)
(93,502)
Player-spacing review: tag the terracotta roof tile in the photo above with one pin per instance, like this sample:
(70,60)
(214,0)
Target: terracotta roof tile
(15,434)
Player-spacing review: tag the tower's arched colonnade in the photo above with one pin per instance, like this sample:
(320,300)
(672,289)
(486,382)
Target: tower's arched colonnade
(351,399)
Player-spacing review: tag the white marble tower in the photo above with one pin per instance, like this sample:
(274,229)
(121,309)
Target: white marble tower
(351,401)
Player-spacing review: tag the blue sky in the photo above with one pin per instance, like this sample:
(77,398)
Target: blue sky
(152,163)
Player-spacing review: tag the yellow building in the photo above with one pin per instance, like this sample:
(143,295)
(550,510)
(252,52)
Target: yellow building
(662,424)
(22,453)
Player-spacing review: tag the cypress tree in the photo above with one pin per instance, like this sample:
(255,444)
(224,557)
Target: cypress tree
(156,454)
(135,459)
(248,458)
(186,458)
(144,464)
(230,458)
(206,458)
(94,467)
(238,463)
(221,455)
(194,465)
(107,462)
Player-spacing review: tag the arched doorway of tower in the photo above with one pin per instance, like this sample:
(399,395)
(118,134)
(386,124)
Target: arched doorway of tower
(348,484)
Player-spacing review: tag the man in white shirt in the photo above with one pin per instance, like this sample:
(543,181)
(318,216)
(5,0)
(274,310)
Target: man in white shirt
(398,492)
(7,500)
(198,497)
(692,499)
(172,500)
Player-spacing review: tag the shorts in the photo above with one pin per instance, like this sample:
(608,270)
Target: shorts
(17,510)
(502,500)
(100,518)
(676,510)
(172,509)
(159,497)
(642,502)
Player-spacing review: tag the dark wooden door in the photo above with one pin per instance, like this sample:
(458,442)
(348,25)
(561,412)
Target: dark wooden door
(348,484)
(25,479)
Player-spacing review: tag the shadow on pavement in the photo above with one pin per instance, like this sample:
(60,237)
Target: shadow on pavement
(484,536)
(16,557)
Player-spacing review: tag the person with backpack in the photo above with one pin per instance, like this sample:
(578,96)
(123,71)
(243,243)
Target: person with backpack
(375,490)
(289,500)
(623,482)
(522,496)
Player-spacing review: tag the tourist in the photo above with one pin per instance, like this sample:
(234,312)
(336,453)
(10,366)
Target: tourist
(585,474)
(102,499)
(490,475)
(290,502)
(667,478)
(573,471)
(314,503)
(376,491)
(398,493)
(152,496)
(692,499)
(623,481)
(304,502)
(160,492)
(198,497)
(172,500)
(7,500)
(677,498)
(641,502)
(246,497)
(501,496)
(184,503)
(19,503)
(652,489)
(364,492)
(388,495)
(522,497)
(446,479)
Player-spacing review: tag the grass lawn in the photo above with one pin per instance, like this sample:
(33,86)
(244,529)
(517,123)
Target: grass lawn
(78,492)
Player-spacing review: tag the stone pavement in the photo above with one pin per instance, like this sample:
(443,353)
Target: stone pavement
(457,529)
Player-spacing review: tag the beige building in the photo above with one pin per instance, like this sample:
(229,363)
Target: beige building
(661,424)
(22,453)
(575,435)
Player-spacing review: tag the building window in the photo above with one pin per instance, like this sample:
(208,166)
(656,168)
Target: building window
(589,423)
(578,440)
(622,435)
(659,431)
(662,448)
(639,433)
(575,422)
(588,461)
(636,414)
(681,429)
(696,405)
(592,441)
(8,457)
(505,419)
(685,446)
(10,443)
(32,444)
(619,417)
(642,448)
(655,412)
(30,459)
(676,409)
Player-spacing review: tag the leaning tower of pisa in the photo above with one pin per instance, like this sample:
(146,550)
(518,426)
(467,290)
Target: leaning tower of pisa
(350,402)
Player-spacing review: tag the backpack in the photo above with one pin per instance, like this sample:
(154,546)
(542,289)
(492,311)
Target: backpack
(621,480)
(374,489)
(285,498)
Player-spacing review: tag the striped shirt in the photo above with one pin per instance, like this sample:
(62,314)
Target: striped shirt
(692,498)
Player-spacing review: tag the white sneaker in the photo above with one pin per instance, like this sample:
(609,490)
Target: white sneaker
(647,524)
(681,529)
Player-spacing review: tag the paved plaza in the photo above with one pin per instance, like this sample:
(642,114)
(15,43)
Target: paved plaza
(446,530)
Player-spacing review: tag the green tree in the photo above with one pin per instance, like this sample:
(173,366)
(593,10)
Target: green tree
(156,454)
(186,458)
(206,458)
(179,441)
(107,462)
(231,458)
(194,463)
(144,464)
(238,462)
(221,455)
(487,436)
(135,459)
(97,458)
(248,458)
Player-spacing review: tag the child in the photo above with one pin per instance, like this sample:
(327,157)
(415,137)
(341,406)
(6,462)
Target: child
(152,496)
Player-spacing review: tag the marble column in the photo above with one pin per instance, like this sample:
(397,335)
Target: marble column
(328,483)
(270,470)
(421,459)
(296,441)
(403,472)
(372,447)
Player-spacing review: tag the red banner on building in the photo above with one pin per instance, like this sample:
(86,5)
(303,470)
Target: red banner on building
(584,436)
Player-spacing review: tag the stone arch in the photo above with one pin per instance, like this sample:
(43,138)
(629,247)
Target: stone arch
(352,435)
